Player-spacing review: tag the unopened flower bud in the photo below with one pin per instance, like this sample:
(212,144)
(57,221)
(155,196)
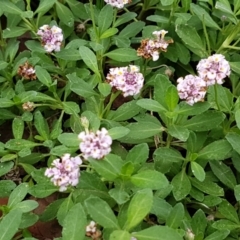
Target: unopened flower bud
(189,235)
(28,106)
(85,122)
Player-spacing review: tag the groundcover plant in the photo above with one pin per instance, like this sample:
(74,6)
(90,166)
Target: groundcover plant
(126,114)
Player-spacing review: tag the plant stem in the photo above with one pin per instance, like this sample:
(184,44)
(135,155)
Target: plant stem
(112,98)
(216,96)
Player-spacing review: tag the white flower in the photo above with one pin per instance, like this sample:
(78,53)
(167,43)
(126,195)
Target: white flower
(126,79)
(51,37)
(65,172)
(214,69)
(192,88)
(95,145)
(91,227)
(117,3)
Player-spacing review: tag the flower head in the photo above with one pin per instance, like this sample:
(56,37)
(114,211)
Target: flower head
(28,106)
(51,37)
(117,3)
(27,71)
(214,69)
(95,144)
(192,88)
(65,172)
(150,48)
(126,79)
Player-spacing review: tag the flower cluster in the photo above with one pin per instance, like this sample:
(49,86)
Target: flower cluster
(126,79)
(51,37)
(28,106)
(92,231)
(117,3)
(27,71)
(192,88)
(95,145)
(213,69)
(150,48)
(65,172)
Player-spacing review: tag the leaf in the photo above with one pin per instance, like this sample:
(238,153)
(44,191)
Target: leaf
(183,53)
(3,65)
(171,97)
(43,76)
(225,224)
(108,33)
(17,128)
(18,194)
(10,7)
(179,132)
(69,54)
(10,224)
(218,235)
(105,18)
(204,16)
(6,186)
(64,14)
(140,205)
(118,132)
(26,206)
(89,58)
(44,6)
(157,233)
(150,179)
(237,192)
(234,140)
(41,125)
(119,195)
(176,216)
(167,154)
(205,121)
(101,213)
(228,211)
(19,144)
(123,55)
(104,89)
(69,139)
(71,107)
(198,108)
(5,167)
(199,222)
(198,171)
(120,235)
(132,29)
(158,19)
(138,154)
(223,173)
(74,224)
(123,18)
(64,208)
(6,114)
(42,190)
(34,96)
(181,185)
(151,105)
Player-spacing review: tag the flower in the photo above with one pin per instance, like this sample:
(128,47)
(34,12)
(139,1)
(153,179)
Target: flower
(117,3)
(126,79)
(91,227)
(214,69)
(65,172)
(192,88)
(28,106)
(95,145)
(27,71)
(51,37)
(150,48)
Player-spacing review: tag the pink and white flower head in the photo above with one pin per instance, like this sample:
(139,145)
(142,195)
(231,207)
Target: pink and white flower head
(214,69)
(192,88)
(117,3)
(65,171)
(91,227)
(51,37)
(95,144)
(126,79)
(151,48)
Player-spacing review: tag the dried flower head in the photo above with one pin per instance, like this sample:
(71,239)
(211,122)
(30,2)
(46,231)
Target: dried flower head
(28,106)
(92,231)
(118,3)
(51,37)
(27,71)
(192,88)
(95,144)
(214,69)
(150,48)
(65,171)
(126,79)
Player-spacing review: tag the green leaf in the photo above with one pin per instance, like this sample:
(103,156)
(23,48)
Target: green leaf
(74,224)
(71,107)
(44,6)
(109,168)
(157,233)
(119,195)
(69,54)
(178,132)
(104,89)
(191,38)
(10,224)
(118,132)
(18,194)
(123,18)
(161,208)
(26,206)
(3,65)
(108,33)
(89,58)
(237,118)
(225,224)
(237,192)
(228,211)
(198,171)
(171,97)
(208,187)
(132,29)
(19,144)
(183,53)
(205,121)
(18,128)
(176,216)
(43,76)
(223,173)
(5,102)
(150,179)
(5,167)
(64,14)
(41,125)
(42,190)
(105,18)
(204,16)
(151,105)
(199,222)
(120,235)
(217,150)
(69,139)
(123,54)
(101,213)
(8,157)
(181,185)
(14,32)
(234,140)
(10,7)
(138,154)
(168,154)
(218,235)
(140,205)
(158,19)
(235,66)
(198,108)
(64,208)
(6,186)
(34,96)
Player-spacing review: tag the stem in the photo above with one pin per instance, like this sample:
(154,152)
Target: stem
(112,98)
(216,96)
(93,19)
(206,36)
(126,10)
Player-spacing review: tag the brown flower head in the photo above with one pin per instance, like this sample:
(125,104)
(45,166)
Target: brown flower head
(27,71)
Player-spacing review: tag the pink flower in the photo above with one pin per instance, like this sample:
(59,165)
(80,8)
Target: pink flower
(117,3)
